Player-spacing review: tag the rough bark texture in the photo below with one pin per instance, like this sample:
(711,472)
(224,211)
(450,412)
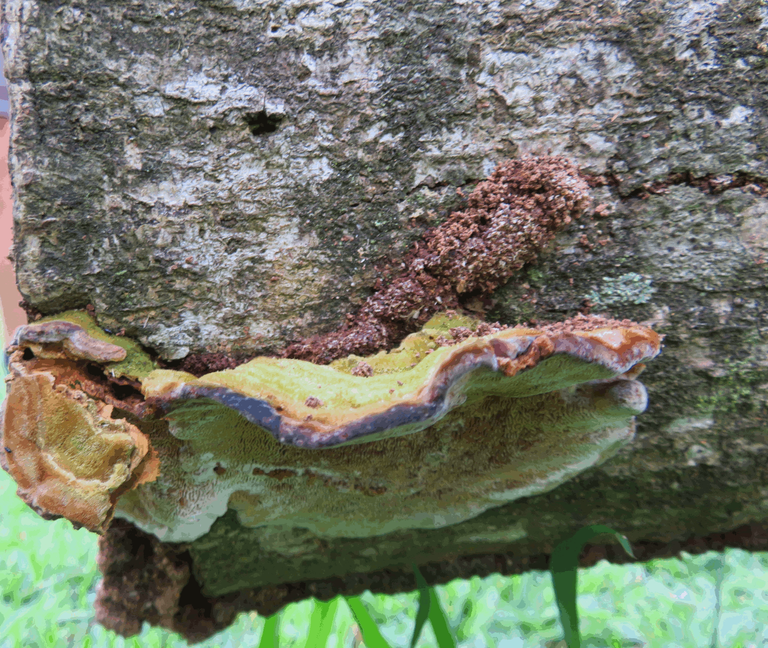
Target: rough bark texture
(229,177)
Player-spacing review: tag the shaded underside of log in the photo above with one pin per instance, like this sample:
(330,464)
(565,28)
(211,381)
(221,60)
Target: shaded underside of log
(145,580)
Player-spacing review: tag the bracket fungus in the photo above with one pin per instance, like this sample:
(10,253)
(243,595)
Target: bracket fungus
(447,425)
(63,443)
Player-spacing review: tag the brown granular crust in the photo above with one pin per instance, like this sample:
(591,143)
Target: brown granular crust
(363,369)
(510,218)
(582,323)
(200,364)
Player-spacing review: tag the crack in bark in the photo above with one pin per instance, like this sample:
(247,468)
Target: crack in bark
(710,184)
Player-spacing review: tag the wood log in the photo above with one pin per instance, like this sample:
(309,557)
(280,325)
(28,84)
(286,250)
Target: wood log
(219,181)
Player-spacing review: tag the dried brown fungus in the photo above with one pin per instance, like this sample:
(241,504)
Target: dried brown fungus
(510,218)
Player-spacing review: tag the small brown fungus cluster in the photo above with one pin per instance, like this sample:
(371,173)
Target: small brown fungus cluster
(511,217)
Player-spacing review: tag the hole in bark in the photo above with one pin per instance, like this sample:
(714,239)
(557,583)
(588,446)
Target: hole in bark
(28,355)
(124,392)
(303,72)
(120,391)
(196,616)
(95,371)
(260,123)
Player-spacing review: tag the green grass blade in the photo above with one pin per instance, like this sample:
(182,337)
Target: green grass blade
(321,623)
(439,622)
(330,616)
(422,614)
(563,565)
(368,628)
(315,621)
(269,637)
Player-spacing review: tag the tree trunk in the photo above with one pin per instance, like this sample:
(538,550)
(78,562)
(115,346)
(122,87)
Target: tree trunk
(223,180)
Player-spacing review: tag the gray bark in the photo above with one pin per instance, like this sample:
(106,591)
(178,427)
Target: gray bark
(224,176)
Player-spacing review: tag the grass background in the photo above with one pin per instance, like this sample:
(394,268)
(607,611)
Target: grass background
(48,581)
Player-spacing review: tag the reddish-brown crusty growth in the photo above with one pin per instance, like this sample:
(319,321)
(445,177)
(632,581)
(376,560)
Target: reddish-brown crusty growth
(510,218)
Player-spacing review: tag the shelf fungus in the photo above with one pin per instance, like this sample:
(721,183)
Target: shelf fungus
(460,418)
(63,443)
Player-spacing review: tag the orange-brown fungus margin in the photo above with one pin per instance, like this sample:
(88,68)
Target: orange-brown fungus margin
(510,218)
(67,454)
